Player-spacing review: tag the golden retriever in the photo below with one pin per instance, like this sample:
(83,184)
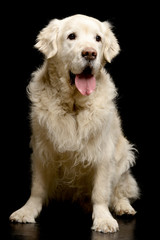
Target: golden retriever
(79,150)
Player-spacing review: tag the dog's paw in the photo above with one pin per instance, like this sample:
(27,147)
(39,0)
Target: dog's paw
(124,207)
(23,215)
(108,225)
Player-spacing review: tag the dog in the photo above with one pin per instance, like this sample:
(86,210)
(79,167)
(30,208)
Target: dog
(79,149)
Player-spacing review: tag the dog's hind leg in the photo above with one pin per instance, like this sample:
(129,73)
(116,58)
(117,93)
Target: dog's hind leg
(125,191)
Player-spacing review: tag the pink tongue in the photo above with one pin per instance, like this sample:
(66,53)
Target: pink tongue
(85,83)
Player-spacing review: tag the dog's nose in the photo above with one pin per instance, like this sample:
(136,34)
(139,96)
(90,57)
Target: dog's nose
(89,53)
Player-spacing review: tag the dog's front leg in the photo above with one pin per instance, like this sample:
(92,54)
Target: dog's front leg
(33,206)
(102,218)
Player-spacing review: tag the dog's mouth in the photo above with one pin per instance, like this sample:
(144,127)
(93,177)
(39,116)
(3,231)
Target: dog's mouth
(85,82)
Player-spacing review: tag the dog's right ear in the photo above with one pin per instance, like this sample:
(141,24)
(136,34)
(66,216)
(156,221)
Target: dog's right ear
(112,47)
(47,39)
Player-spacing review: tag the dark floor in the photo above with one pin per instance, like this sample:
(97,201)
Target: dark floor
(44,231)
(66,221)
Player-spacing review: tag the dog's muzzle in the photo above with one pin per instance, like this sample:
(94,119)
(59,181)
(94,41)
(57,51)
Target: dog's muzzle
(85,82)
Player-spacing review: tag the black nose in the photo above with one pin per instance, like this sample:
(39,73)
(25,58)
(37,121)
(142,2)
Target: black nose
(89,53)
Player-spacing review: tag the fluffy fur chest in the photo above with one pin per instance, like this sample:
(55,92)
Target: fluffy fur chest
(75,131)
(69,121)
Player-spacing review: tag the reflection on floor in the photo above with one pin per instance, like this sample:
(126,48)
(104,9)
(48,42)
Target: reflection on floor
(66,221)
(38,231)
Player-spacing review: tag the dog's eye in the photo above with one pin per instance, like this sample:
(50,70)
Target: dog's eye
(72,36)
(98,38)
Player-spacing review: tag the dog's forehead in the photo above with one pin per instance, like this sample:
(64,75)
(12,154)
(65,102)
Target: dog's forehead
(82,22)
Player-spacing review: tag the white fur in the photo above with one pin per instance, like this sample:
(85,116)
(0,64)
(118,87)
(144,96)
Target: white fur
(79,151)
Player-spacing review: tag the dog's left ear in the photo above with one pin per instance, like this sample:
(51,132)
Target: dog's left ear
(47,39)
(112,47)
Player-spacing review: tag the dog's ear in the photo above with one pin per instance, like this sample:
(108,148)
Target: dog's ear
(112,47)
(47,39)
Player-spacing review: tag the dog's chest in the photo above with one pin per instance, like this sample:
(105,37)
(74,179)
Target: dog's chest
(74,175)
(73,107)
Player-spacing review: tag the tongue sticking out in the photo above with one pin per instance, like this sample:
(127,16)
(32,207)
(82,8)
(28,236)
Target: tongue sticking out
(85,83)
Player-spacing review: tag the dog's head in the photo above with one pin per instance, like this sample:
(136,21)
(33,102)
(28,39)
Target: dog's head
(80,45)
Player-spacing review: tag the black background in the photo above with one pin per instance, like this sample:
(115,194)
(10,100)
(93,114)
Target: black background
(133,72)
